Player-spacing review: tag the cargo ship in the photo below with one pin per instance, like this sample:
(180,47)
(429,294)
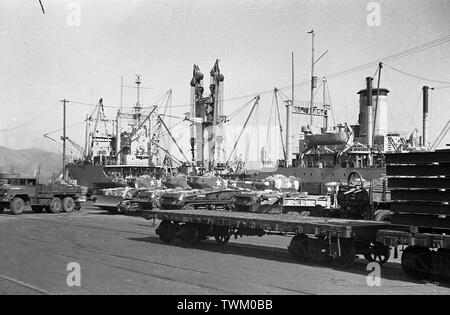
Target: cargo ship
(331,154)
(118,151)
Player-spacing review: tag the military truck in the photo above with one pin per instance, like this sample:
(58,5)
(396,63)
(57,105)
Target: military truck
(18,191)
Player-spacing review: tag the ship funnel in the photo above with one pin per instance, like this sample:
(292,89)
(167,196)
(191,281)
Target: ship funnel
(425,115)
(369,112)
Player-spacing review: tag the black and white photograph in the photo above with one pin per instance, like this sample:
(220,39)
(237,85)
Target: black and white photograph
(225,154)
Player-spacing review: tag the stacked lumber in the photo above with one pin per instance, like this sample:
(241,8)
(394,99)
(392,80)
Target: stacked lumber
(420,188)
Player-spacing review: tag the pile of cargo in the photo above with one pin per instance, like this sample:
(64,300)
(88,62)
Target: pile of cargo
(419,184)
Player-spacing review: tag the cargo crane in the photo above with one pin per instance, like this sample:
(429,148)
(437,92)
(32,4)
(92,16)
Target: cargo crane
(207,114)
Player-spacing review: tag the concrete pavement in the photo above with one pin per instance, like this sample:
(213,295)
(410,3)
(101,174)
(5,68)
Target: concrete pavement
(123,255)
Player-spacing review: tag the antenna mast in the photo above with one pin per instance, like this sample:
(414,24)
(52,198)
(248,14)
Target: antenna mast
(313,81)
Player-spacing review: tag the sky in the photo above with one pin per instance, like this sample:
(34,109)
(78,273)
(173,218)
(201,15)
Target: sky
(45,58)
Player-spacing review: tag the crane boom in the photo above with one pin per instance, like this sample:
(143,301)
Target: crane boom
(257,98)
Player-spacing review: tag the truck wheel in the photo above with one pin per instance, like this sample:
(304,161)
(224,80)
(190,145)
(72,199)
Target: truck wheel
(17,206)
(2,209)
(69,204)
(56,205)
(383,216)
(37,209)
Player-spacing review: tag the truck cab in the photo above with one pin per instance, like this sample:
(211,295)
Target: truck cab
(16,191)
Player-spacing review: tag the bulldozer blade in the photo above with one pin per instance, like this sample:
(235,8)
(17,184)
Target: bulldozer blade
(108,202)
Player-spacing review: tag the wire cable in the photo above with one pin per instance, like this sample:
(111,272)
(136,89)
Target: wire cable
(32,120)
(416,76)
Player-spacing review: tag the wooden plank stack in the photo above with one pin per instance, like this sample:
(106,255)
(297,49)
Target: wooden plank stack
(420,188)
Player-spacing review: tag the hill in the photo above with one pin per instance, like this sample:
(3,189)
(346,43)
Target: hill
(27,161)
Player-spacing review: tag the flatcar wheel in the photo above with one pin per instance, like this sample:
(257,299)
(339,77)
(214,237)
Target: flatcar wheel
(348,254)
(378,253)
(189,234)
(166,231)
(223,239)
(416,262)
(299,247)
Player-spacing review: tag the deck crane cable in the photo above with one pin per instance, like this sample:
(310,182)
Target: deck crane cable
(280,124)
(76,146)
(42,7)
(380,66)
(399,55)
(417,105)
(168,99)
(270,120)
(441,136)
(256,102)
(405,53)
(331,106)
(442,87)
(163,134)
(417,76)
(166,151)
(68,127)
(71,142)
(399,99)
(173,139)
(147,117)
(238,110)
(30,121)
(253,129)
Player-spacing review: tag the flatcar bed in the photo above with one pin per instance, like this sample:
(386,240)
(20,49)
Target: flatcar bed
(286,223)
(314,238)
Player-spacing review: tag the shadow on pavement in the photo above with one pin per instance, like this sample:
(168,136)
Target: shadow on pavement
(390,271)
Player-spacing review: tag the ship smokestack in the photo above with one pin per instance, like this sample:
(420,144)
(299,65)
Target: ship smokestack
(369,112)
(425,115)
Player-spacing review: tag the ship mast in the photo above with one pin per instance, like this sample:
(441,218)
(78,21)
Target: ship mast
(289,106)
(313,81)
(137,108)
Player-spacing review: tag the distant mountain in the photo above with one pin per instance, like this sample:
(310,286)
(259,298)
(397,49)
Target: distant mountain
(27,161)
